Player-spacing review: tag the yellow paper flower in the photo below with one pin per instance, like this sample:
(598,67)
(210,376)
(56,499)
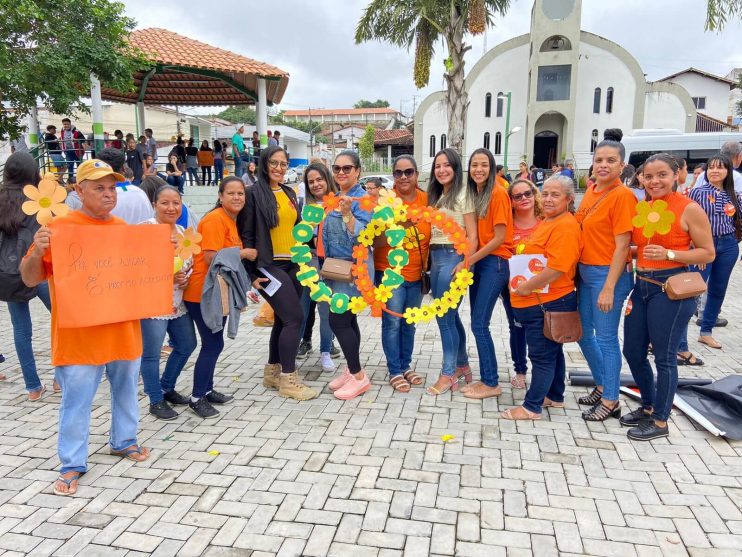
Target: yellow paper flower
(383,293)
(464,278)
(437,307)
(365,239)
(188,244)
(177,264)
(388,198)
(357,304)
(653,218)
(46,201)
(412,315)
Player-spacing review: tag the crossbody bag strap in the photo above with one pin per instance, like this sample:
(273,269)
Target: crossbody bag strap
(423,262)
(652,281)
(595,205)
(540,303)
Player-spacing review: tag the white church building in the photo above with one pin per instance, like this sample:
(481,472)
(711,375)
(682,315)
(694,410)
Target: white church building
(566,86)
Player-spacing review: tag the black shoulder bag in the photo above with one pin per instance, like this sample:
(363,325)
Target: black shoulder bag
(424,273)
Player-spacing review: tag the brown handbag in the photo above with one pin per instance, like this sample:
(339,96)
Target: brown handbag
(681,286)
(337,269)
(561,326)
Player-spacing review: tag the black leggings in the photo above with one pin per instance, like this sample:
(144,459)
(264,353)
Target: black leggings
(289,316)
(204,171)
(309,323)
(345,327)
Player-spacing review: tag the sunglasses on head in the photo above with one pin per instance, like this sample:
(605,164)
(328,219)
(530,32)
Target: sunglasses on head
(345,169)
(526,194)
(407,172)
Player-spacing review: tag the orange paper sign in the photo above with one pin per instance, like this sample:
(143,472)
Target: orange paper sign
(109,274)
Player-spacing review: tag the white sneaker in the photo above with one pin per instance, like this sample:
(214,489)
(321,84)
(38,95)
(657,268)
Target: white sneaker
(328,366)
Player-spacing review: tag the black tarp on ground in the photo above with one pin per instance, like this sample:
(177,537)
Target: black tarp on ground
(720,403)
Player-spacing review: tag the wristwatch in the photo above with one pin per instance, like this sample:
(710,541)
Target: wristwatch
(346,218)
(670,255)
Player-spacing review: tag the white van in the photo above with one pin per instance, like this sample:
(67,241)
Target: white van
(695,148)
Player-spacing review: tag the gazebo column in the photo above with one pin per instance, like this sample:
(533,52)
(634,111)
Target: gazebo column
(97,111)
(141,124)
(33,128)
(262,113)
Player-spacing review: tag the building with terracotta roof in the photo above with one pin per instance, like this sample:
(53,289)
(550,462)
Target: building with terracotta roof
(710,93)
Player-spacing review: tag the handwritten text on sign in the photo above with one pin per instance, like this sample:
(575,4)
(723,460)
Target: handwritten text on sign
(109,274)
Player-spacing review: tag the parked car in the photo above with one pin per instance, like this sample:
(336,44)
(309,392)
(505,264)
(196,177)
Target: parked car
(386,180)
(299,169)
(290,177)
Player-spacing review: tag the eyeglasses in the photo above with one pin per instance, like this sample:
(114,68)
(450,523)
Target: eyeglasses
(276,163)
(345,169)
(526,194)
(372,186)
(407,172)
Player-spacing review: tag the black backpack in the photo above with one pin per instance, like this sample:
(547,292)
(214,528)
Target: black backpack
(12,250)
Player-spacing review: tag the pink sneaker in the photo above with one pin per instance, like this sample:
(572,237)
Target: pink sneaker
(353,388)
(340,380)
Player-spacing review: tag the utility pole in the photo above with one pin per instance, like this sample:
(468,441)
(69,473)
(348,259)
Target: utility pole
(414,104)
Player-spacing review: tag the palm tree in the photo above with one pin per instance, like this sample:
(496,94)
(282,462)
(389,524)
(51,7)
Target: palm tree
(424,22)
(718,12)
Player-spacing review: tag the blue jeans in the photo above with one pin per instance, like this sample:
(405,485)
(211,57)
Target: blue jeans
(192,175)
(716,274)
(20,318)
(239,167)
(177,182)
(599,342)
(491,276)
(547,357)
(219,170)
(325,332)
(212,345)
(183,338)
(453,334)
(656,319)
(72,158)
(398,336)
(79,384)
(517,335)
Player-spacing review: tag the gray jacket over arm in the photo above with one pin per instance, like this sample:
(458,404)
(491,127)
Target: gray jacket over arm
(226,263)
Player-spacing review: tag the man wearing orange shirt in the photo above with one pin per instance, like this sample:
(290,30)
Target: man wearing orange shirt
(80,355)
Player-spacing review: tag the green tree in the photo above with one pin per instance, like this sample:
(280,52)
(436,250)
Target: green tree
(424,23)
(49,49)
(239,115)
(366,143)
(719,12)
(378,103)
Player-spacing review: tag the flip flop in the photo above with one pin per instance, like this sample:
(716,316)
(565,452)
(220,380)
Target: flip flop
(68,483)
(134,449)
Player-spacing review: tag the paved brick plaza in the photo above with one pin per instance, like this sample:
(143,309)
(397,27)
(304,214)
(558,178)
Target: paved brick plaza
(370,476)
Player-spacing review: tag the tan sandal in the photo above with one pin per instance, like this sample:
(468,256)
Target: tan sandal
(451,384)
(399,383)
(710,341)
(518,381)
(481,391)
(520,413)
(548,403)
(412,377)
(57,387)
(35,396)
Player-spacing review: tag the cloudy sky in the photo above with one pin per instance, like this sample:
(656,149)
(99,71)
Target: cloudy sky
(313,41)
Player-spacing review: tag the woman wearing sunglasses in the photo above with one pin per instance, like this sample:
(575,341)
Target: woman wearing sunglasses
(491,271)
(340,231)
(269,218)
(398,336)
(448,193)
(527,216)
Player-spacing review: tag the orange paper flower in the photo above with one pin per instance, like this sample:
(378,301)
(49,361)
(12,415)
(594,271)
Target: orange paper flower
(330,202)
(360,253)
(188,244)
(367,203)
(46,201)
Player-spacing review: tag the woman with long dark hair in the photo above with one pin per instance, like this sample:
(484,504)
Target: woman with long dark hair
(192,163)
(218,162)
(271,213)
(491,271)
(18,229)
(448,193)
(205,161)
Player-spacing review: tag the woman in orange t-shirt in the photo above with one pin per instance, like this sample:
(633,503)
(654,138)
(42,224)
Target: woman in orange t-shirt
(558,239)
(654,318)
(490,261)
(527,216)
(605,277)
(218,229)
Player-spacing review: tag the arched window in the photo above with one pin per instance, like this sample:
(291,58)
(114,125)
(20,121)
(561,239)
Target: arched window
(486,140)
(443,141)
(432,145)
(488,105)
(555,43)
(498,143)
(593,141)
(596,101)
(609,100)
(500,103)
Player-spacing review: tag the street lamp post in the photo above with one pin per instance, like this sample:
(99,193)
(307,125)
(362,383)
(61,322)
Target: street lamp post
(508,131)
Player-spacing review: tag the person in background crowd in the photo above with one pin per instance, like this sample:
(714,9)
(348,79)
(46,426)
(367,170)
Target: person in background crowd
(654,318)
(135,161)
(556,169)
(255,146)
(149,167)
(250,177)
(523,171)
(17,231)
(151,143)
(340,231)
(275,141)
(682,177)
(192,163)
(142,145)
(205,161)
(178,325)
(132,204)
(238,149)
(118,143)
(319,183)
(174,171)
(567,168)
(490,261)
(218,162)
(270,216)
(398,336)
(627,174)
(501,178)
(73,143)
(448,193)
(373,186)
(558,239)
(637,184)
(605,216)
(527,216)
(538,175)
(81,355)
(697,171)
(733,151)
(53,148)
(270,136)
(219,231)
